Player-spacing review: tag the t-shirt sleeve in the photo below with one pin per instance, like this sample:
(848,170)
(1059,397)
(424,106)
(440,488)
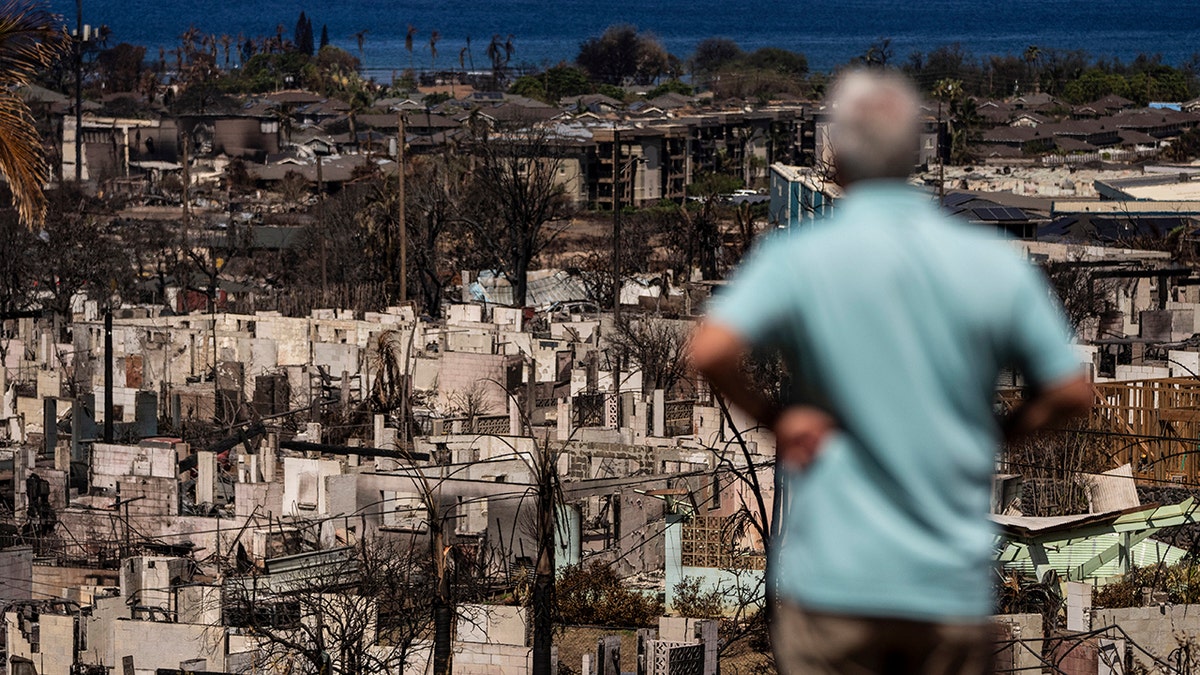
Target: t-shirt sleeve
(753,303)
(1040,338)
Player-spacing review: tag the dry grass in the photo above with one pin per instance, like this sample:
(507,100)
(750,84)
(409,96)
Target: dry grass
(575,641)
(739,658)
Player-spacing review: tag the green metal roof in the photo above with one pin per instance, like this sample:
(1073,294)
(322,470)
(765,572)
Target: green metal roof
(1066,557)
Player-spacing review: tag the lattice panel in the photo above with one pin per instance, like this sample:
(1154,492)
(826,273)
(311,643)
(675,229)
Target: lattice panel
(704,544)
(660,655)
(686,660)
(612,411)
(677,417)
(589,410)
(495,426)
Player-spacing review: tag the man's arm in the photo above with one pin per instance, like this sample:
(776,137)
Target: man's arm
(1067,398)
(717,353)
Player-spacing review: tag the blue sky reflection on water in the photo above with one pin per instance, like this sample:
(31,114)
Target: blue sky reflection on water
(547,32)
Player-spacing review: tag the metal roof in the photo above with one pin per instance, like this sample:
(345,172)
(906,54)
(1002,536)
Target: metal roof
(953,199)
(997,213)
(544,288)
(1085,546)
(1086,227)
(1069,556)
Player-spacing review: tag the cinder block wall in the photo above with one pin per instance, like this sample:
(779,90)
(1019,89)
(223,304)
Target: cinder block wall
(1159,630)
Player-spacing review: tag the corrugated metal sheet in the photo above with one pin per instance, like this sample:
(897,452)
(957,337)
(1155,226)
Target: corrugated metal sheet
(1065,557)
(545,287)
(1114,490)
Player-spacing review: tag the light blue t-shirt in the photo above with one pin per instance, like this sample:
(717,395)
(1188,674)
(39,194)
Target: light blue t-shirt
(897,319)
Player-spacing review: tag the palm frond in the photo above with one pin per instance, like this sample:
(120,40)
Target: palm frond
(31,38)
(21,159)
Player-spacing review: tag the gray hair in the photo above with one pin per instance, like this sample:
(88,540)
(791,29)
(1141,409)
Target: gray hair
(874,130)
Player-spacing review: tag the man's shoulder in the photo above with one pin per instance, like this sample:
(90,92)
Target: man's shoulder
(978,243)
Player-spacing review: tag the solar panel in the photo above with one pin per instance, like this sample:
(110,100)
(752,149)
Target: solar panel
(957,199)
(994,213)
(1058,227)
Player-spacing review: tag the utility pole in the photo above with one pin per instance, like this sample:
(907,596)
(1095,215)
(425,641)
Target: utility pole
(945,90)
(321,217)
(79,39)
(941,159)
(442,609)
(187,180)
(543,580)
(400,209)
(108,376)
(616,226)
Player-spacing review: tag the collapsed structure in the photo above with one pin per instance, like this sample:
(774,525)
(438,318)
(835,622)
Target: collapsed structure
(333,433)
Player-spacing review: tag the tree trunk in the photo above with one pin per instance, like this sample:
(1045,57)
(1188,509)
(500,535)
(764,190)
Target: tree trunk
(520,280)
(443,616)
(443,612)
(431,293)
(543,583)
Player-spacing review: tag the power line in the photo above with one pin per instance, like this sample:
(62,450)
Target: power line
(361,511)
(1084,472)
(1126,434)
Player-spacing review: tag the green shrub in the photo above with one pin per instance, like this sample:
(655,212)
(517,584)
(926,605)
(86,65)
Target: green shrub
(1180,582)
(694,603)
(592,594)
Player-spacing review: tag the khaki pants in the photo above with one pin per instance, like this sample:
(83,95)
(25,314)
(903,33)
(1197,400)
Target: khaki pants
(810,643)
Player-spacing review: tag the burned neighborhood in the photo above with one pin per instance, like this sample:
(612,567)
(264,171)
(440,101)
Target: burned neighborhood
(306,373)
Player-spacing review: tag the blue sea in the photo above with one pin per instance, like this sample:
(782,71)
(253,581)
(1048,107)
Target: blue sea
(545,32)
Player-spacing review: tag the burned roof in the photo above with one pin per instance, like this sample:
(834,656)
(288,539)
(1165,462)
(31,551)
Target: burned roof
(294,96)
(1068,144)
(1090,228)
(338,169)
(973,207)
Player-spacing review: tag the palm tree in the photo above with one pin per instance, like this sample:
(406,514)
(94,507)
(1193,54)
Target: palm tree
(1033,54)
(282,114)
(408,43)
(433,40)
(31,38)
(495,52)
(226,43)
(361,37)
(189,39)
(359,101)
(945,91)
(879,53)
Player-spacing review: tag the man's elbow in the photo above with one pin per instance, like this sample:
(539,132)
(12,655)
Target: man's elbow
(713,349)
(1073,398)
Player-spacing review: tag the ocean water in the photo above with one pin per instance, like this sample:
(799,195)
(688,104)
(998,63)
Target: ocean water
(545,32)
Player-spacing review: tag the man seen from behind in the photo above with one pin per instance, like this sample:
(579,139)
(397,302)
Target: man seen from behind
(894,321)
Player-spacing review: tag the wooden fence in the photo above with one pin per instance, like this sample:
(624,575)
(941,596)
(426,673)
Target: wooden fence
(1098,156)
(1153,425)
